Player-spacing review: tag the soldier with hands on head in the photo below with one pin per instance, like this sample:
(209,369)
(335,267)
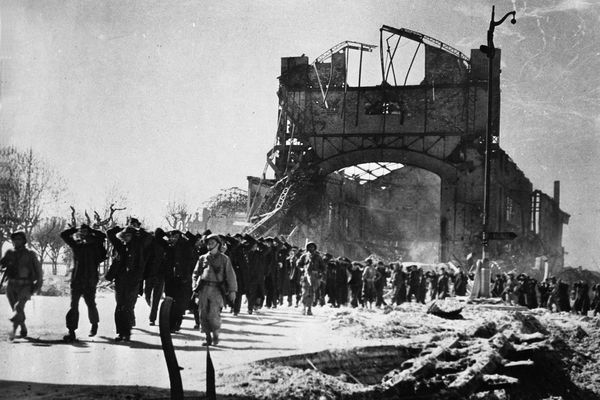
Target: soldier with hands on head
(178,275)
(133,253)
(88,252)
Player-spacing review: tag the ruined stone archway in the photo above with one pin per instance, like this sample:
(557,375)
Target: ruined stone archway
(326,122)
(445,171)
(390,222)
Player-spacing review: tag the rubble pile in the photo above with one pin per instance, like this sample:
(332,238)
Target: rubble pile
(578,343)
(280,382)
(490,354)
(404,321)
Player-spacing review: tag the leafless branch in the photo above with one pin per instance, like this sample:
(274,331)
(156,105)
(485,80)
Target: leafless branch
(101,223)
(73,220)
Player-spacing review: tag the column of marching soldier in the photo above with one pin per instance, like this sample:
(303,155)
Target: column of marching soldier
(206,272)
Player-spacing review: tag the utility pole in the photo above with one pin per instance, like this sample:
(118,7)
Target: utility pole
(490,51)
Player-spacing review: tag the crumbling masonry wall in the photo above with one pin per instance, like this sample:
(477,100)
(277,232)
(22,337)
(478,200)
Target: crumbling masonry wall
(437,125)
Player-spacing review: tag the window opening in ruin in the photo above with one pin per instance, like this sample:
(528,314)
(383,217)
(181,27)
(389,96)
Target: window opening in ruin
(387,208)
(509,209)
(403,61)
(386,107)
(535,212)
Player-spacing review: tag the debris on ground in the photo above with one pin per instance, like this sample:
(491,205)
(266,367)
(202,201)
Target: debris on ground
(496,352)
(445,309)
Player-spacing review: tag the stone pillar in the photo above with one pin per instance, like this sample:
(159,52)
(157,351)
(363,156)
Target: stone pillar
(447,219)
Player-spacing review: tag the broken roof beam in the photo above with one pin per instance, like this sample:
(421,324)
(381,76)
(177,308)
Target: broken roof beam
(427,40)
(350,45)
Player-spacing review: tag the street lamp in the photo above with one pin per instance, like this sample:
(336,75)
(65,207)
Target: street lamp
(490,52)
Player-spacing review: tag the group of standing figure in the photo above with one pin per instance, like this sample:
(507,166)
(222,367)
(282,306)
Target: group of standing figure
(141,263)
(206,272)
(150,264)
(551,293)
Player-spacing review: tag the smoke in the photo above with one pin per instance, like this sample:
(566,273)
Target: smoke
(424,252)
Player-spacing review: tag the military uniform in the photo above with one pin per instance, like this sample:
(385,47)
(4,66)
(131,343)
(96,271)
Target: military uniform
(399,285)
(235,250)
(355,284)
(369,292)
(25,276)
(294,275)
(460,284)
(211,272)
(380,284)
(313,265)
(88,253)
(255,284)
(154,279)
(133,257)
(178,276)
(414,280)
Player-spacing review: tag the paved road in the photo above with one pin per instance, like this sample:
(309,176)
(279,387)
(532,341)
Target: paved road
(42,357)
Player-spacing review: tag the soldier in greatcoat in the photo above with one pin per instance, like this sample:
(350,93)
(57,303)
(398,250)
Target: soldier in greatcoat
(214,279)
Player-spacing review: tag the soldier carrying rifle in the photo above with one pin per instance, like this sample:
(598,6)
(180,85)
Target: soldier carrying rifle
(24,273)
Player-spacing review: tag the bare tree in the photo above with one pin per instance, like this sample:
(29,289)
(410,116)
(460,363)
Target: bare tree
(107,222)
(99,223)
(114,195)
(56,243)
(67,259)
(30,186)
(178,215)
(227,202)
(43,234)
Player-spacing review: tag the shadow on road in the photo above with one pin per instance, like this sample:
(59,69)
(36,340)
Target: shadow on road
(53,342)
(175,335)
(38,391)
(222,347)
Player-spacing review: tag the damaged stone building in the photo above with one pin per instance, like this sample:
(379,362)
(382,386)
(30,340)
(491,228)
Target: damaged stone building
(396,168)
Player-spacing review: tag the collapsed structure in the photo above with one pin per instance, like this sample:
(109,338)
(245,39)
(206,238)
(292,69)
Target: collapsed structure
(418,150)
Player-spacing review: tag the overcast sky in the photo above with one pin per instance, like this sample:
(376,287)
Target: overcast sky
(174,100)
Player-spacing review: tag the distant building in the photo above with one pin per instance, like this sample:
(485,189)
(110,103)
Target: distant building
(224,213)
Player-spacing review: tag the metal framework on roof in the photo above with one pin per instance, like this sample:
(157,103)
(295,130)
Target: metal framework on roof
(427,40)
(387,58)
(346,45)
(370,171)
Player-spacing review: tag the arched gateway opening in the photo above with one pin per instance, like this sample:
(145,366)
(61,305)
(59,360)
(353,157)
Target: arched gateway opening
(386,209)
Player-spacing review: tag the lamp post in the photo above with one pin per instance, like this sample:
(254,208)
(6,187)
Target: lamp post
(490,52)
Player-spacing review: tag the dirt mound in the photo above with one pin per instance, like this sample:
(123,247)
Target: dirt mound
(494,353)
(404,321)
(283,382)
